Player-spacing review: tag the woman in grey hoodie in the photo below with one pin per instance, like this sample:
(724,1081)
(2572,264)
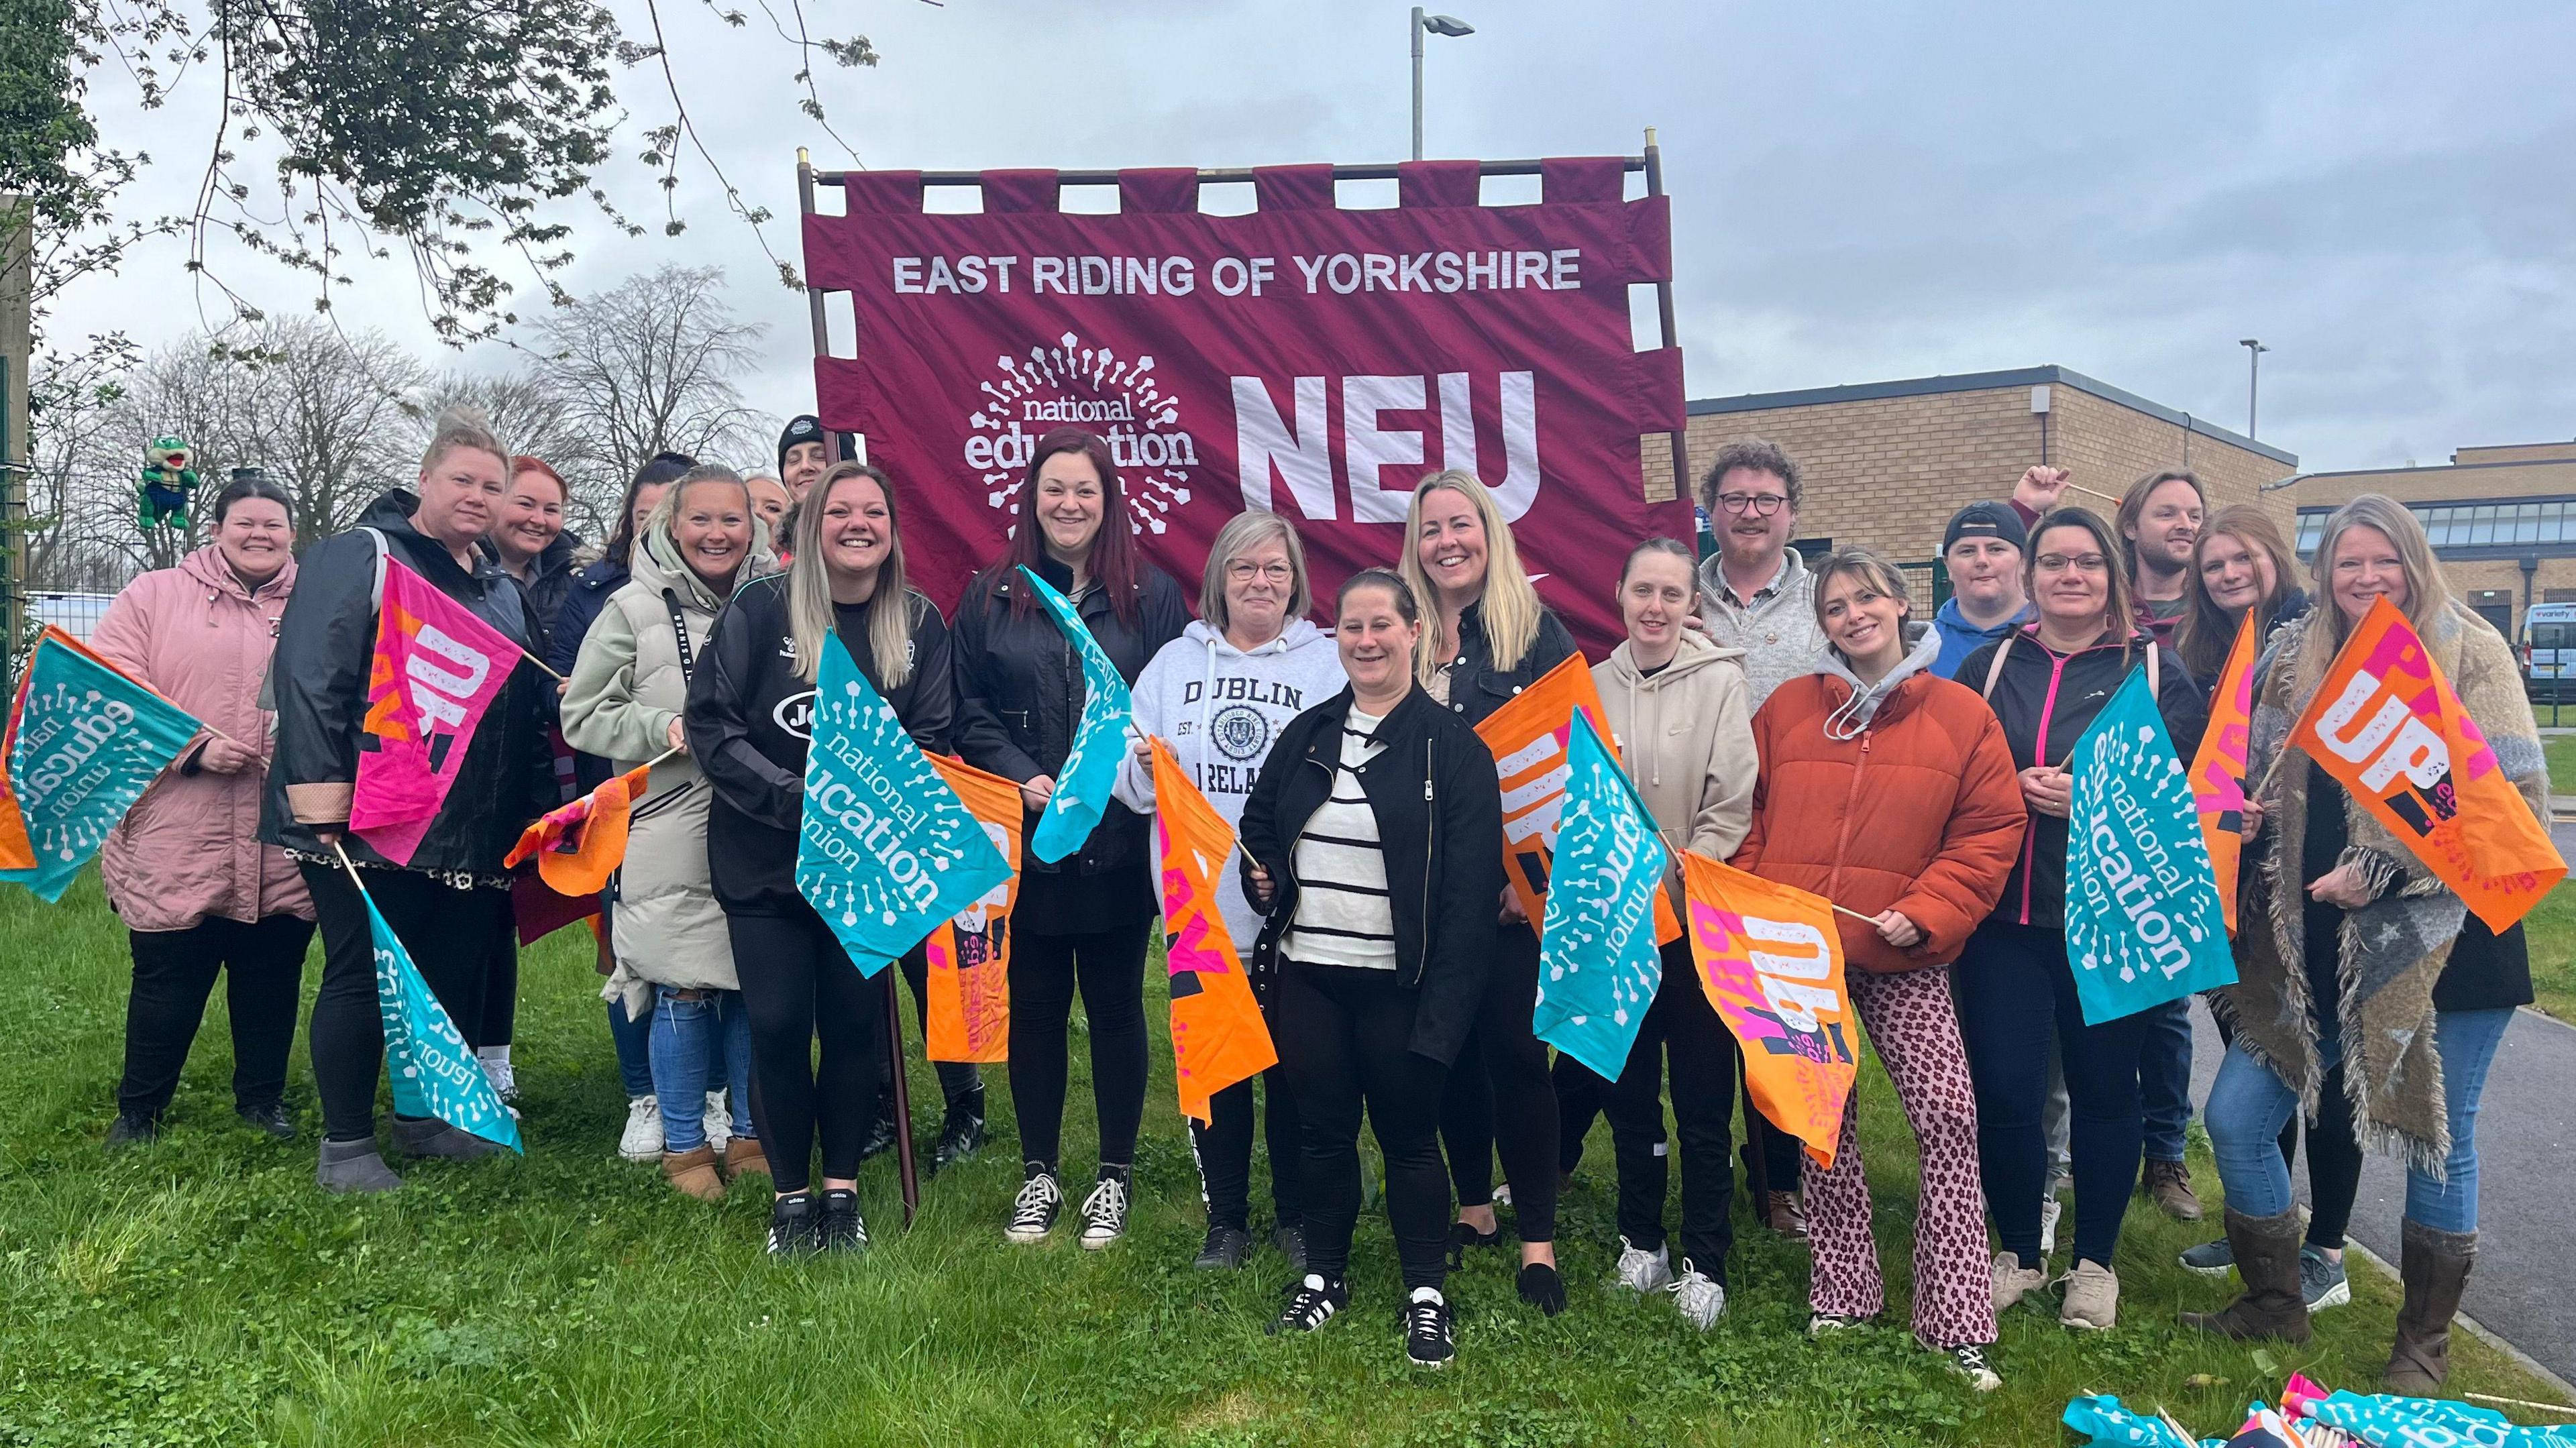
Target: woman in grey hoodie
(1217,696)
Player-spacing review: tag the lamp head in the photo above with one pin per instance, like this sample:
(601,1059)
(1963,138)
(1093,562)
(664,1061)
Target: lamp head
(1447,25)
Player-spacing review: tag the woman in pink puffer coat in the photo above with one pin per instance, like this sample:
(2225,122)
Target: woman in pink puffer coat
(185,869)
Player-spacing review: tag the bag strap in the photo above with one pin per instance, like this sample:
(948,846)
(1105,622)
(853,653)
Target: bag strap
(2155,685)
(376,592)
(1995,669)
(680,631)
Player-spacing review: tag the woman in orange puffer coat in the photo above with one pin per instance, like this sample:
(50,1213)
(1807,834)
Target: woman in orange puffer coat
(1891,793)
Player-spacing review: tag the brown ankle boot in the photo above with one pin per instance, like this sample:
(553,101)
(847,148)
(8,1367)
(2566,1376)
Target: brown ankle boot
(743,1154)
(2435,1267)
(2267,1256)
(694,1173)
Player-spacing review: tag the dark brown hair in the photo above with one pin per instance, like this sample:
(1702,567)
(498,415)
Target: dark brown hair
(1114,564)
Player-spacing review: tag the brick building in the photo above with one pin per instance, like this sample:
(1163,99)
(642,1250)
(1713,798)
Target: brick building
(1887,463)
(2501,519)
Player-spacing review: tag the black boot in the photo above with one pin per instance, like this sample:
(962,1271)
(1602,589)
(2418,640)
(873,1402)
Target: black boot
(2267,1257)
(2435,1267)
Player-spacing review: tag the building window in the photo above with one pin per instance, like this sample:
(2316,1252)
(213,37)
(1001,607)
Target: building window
(2471,525)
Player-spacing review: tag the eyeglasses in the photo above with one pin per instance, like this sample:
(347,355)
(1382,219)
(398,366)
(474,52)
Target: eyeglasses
(1760,505)
(2081,562)
(1243,572)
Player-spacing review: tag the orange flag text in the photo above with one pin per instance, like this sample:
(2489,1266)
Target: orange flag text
(1528,737)
(2218,770)
(970,952)
(1771,964)
(1218,1035)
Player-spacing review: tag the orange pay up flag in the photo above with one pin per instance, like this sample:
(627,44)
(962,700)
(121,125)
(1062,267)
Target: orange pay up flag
(2218,770)
(2387,726)
(1771,963)
(970,953)
(1529,737)
(1218,1036)
(578,846)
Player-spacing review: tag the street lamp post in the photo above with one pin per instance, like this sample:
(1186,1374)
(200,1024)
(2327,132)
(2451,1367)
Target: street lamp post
(2254,351)
(1436,25)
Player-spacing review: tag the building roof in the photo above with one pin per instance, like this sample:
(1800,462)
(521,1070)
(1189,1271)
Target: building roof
(1987,382)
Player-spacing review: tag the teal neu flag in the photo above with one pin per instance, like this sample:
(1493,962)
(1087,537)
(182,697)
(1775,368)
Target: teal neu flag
(886,850)
(86,743)
(432,1070)
(1597,967)
(1082,786)
(2143,924)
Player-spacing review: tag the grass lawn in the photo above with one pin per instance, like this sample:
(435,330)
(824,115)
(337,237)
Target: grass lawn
(201,1290)
(2560,751)
(2551,933)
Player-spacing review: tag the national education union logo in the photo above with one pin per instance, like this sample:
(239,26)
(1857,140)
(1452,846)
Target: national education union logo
(1071,384)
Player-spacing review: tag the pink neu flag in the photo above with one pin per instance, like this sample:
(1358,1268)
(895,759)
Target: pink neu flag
(436,669)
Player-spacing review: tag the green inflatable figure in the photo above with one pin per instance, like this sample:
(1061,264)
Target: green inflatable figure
(169,485)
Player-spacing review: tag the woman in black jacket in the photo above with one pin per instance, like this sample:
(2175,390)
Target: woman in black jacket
(1084,917)
(1373,841)
(451,899)
(2013,982)
(749,716)
(1489,637)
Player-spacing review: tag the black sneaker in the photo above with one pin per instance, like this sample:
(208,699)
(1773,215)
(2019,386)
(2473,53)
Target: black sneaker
(271,1119)
(793,1222)
(1033,1212)
(1462,1237)
(130,1129)
(1542,1288)
(880,1140)
(1225,1249)
(1311,1301)
(840,1229)
(1291,1242)
(1104,1212)
(960,1137)
(1429,1339)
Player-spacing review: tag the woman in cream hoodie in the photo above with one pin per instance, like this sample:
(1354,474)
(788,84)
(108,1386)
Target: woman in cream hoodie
(1681,713)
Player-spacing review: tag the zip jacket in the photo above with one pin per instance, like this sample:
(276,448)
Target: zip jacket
(2046,700)
(1476,687)
(1440,825)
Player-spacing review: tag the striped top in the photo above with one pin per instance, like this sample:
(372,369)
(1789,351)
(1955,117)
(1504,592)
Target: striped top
(1343,916)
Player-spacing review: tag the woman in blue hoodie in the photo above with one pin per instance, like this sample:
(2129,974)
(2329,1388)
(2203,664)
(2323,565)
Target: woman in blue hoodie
(1218,696)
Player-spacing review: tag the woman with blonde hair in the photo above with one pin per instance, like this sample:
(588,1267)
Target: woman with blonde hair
(1487,638)
(2352,952)
(750,701)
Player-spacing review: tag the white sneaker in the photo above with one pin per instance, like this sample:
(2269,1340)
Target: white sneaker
(1104,1214)
(718,1122)
(2050,1209)
(642,1140)
(1644,1271)
(496,1069)
(1700,1297)
(2013,1282)
(2092,1298)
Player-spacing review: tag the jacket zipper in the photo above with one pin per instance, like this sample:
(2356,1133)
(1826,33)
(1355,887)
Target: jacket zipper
(2039,757)
(1842,831)
(1430,828)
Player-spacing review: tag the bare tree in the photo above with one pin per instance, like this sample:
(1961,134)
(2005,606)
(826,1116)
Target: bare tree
(529,416)
(645,367)
(80,513)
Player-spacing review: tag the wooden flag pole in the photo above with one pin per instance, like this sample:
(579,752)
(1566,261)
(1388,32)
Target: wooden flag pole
(541,666)
(2094,492)
(907,1171)
(346,865)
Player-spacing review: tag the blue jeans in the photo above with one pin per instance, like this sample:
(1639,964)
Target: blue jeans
(2248,1105)
(2164,1078)
(700,1039)
(633,1039)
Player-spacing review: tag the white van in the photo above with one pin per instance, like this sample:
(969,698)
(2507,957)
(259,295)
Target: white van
(2548,649)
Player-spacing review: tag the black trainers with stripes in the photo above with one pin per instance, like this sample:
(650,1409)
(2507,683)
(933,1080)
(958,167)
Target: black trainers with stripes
(1311,1301)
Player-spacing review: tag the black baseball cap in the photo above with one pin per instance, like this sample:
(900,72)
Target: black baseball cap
(1987,520)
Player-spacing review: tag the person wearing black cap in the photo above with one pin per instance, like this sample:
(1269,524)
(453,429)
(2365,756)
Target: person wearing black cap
(1983,549)
(801,454)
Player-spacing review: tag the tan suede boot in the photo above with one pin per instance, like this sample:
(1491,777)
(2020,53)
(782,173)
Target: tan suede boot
(2435,1268)
(743,1154)
(694,1173)
(2267,1256)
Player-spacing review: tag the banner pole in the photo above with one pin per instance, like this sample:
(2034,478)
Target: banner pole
(1665,324)
(907,1171)
(346,865)
(814,303)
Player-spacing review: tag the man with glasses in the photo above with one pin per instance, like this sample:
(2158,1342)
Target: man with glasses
(1756,593)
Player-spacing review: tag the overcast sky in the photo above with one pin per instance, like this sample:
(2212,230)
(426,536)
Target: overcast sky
(2385,194)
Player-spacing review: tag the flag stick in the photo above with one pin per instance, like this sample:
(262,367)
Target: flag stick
(541,666)
(674,750)
(2094,492)
(2518,1403)
(345,865)
(906,1170)
(1856,915)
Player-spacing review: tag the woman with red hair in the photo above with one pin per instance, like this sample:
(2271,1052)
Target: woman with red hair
(1084,918)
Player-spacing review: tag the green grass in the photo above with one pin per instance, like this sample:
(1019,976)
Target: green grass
(201,1290)
(2560,751)
(2550,931)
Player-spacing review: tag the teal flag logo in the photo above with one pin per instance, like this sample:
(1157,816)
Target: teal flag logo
(2143,923)
(886,850)
(1598,969)
(1082,786)
(85,745)
(432,1070)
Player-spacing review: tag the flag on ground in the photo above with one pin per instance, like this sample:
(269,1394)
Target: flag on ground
(1771,963)
(1090,771)
(1529,736)
(83,743)
(579,845)
(887,850)
(2388,727)
(970,953)
(436,669)
(2218,769)
(1598,969)
(432,1071)
(1218,1034)
(2143,923)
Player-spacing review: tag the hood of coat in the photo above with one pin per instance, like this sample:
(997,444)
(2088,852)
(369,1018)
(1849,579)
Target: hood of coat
(1951,618)
(656,565)
(1854,714)
(207,566)
(1697,652)
(1300,634)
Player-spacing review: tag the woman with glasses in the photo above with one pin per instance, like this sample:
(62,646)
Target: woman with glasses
(2014,983)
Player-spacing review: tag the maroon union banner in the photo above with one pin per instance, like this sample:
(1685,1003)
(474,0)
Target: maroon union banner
(1304,358)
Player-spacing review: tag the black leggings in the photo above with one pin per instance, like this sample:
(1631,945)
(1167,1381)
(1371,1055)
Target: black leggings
(501,985)
(1343,1039)
(1110,966)
(262,962)
(797,983)
(1682,1024)
(448,933)
(1224,1151)
(1499,1098)
(958,1080)
(2334,1157)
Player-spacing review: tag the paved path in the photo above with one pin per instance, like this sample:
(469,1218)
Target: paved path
(2524,1287)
